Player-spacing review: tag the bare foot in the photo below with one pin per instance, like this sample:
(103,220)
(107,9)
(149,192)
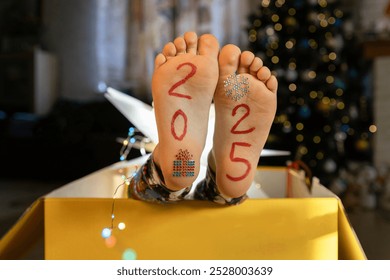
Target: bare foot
(183,85)
(245,104)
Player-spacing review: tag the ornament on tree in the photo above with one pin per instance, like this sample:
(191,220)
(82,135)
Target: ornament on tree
(291,22)
(291,75)
(305,112)
(362,144)
(340,137)
(330,166)
(366,181)
(335,42)
(323,106)
(341,184)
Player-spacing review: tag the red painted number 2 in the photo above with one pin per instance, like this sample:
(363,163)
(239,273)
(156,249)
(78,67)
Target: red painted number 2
(234,130)
(180,113)
(182,81)
(234,112)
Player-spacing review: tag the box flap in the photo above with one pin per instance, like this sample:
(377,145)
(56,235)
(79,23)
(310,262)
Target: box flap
(349,244)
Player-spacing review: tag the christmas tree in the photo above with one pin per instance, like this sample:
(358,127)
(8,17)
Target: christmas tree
(324,114)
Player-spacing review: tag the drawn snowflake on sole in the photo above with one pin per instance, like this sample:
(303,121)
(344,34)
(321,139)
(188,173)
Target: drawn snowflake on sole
(236,86)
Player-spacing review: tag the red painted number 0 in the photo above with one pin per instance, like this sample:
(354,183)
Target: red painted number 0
(173,129)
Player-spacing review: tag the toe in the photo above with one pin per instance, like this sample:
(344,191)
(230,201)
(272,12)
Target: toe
(257,63)
(263,74)
(160,59)
(246,60)
(169,50)
(180,45)
(229,58)
(208,45)
(191,40)
(272,84)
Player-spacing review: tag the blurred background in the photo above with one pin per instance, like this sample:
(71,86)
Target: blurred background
(57,57)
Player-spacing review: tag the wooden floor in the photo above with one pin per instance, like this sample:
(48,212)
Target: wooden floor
(372,227)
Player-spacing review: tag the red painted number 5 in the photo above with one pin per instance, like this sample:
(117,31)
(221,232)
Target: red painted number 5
(233,158)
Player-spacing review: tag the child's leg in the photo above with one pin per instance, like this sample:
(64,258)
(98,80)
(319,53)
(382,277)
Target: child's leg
(245,104)
(207,189)
(148,184)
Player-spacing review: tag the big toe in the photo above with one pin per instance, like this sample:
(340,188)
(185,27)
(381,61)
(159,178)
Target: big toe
(208,45)
(229,59)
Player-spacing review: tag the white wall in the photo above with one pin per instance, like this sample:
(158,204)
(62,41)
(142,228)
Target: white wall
(69,32)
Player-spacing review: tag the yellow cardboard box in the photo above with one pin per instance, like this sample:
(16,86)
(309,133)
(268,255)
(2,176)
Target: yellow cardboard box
(267,226)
